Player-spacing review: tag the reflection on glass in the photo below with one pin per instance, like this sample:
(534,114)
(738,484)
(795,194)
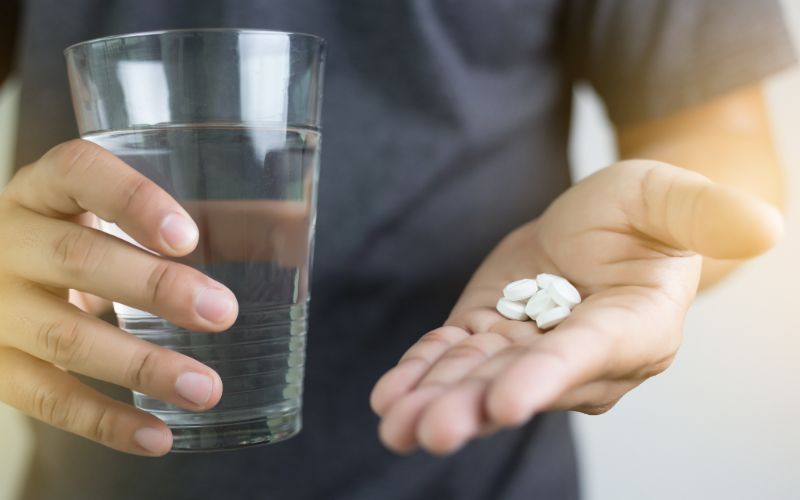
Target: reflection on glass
(144,86)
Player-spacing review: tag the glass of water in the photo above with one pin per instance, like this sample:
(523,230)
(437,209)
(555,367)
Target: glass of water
(228,122)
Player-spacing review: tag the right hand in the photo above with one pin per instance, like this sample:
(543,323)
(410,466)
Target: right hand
(45,252)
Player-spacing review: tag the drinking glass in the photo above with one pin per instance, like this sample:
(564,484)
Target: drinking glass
(228,122)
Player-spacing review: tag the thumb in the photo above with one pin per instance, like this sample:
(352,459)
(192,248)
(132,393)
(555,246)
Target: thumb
(688,211)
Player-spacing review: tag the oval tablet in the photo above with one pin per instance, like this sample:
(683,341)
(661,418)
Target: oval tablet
(544,279)
(539,303)
(563,293)
(520,290)
(552,317)
(511,309)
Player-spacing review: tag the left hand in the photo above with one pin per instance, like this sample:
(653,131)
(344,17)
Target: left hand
(630,238)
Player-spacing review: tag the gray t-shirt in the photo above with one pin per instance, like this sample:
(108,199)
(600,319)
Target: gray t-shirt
(445,126)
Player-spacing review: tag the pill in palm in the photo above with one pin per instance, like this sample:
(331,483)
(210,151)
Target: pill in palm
(511,309)
(548,299)
(544,279)
(552,317)
(563,293)
(520,290)
(539,303)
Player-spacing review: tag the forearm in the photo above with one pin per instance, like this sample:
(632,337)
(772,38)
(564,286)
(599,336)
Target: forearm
(737,150)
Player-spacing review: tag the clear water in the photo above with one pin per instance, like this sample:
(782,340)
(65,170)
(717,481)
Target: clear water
(252,193)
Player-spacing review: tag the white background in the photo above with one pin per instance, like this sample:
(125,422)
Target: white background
(723,422)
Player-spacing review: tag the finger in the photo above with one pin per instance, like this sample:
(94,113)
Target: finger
(475,357)
(453,418)
(79,176)
(462,358)
(459,413)
(46,393)
(449,369)
(599,341)
(685,210)
(58,332)
(68,255)
(413,365)
(419,359)
(397,429)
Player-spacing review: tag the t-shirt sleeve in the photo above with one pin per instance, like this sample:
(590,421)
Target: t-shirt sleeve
(647,58)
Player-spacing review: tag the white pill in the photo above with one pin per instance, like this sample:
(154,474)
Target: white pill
(511,309)
(552,317)
(520,290)
(539,303)
(544,280)
(563,293)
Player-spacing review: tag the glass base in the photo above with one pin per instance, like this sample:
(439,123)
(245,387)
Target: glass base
(234,435)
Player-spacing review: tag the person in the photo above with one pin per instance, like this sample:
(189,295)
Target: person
(445,126)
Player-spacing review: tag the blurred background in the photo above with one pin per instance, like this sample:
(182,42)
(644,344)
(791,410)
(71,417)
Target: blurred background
(722,422)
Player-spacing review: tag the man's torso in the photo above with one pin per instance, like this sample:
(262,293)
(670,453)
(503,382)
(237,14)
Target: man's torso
(444,127)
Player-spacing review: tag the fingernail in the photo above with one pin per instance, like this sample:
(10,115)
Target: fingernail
(213,304)
(179,232)
(152,440)
(194,387)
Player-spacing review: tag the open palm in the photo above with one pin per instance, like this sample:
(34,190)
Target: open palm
(630,238)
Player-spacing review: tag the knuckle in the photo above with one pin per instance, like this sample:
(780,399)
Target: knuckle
(160,281)
(53,406)
(79,251)
(143,368)
(466,350)
(433,340)
(137,191)
(99,425)
(63,342)
(434,336)
(71,157)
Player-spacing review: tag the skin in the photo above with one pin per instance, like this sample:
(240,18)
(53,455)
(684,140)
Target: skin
(728,140)
(630,237)
(637,239)
(42,335)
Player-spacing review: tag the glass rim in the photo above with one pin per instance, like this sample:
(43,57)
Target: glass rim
(155,33)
